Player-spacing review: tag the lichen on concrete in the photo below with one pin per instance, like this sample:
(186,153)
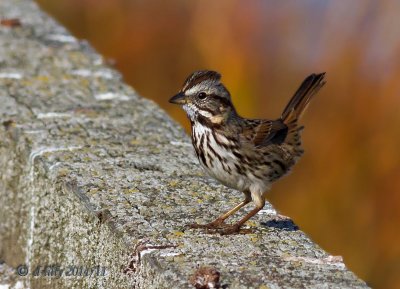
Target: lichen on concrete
(93,174)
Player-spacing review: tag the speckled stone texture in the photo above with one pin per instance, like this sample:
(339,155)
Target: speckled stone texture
(94,175)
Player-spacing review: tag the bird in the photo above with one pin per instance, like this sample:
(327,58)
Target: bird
(244,154)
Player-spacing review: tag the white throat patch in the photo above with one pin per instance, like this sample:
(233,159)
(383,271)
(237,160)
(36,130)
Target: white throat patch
(192,111)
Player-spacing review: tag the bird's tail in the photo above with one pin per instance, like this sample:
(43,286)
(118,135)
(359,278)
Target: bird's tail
(299,102)
(297,105)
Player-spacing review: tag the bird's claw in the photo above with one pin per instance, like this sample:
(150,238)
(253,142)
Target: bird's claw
(212,225)
(220,228)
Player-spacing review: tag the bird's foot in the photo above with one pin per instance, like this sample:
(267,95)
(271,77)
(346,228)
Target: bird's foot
(232,230)
(215,225)
(221,228)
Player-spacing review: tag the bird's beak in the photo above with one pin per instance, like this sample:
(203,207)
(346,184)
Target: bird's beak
(180,98)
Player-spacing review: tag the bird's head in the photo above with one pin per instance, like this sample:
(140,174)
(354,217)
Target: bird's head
(204,96)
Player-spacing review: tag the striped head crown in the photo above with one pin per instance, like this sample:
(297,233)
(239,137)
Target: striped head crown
(204,96)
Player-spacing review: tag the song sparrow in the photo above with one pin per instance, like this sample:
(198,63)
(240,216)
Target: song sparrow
(244,154)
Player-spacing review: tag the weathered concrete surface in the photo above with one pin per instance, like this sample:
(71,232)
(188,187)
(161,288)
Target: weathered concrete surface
(92,174)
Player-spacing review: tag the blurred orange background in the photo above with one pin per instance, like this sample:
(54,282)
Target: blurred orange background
(345,192)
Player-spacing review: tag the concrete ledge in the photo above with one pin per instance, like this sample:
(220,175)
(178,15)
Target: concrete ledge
(94,175)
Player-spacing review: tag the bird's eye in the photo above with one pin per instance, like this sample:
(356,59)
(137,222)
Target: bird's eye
(202,95)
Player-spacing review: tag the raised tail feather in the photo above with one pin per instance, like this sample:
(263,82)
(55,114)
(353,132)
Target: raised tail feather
(297,105)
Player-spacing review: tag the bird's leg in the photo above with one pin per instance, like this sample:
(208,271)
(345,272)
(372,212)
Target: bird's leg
(218,222)
(235,228)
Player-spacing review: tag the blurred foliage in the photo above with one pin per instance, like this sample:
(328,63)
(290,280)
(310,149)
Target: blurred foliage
(345,192)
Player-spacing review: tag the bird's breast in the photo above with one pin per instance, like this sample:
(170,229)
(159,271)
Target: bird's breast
(220,157)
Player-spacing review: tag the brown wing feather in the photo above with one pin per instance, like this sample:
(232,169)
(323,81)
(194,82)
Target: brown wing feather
(264,132)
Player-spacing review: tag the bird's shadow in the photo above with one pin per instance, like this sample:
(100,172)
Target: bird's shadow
(284,225)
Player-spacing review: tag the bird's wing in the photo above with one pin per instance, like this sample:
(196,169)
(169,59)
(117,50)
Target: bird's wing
(264,132)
